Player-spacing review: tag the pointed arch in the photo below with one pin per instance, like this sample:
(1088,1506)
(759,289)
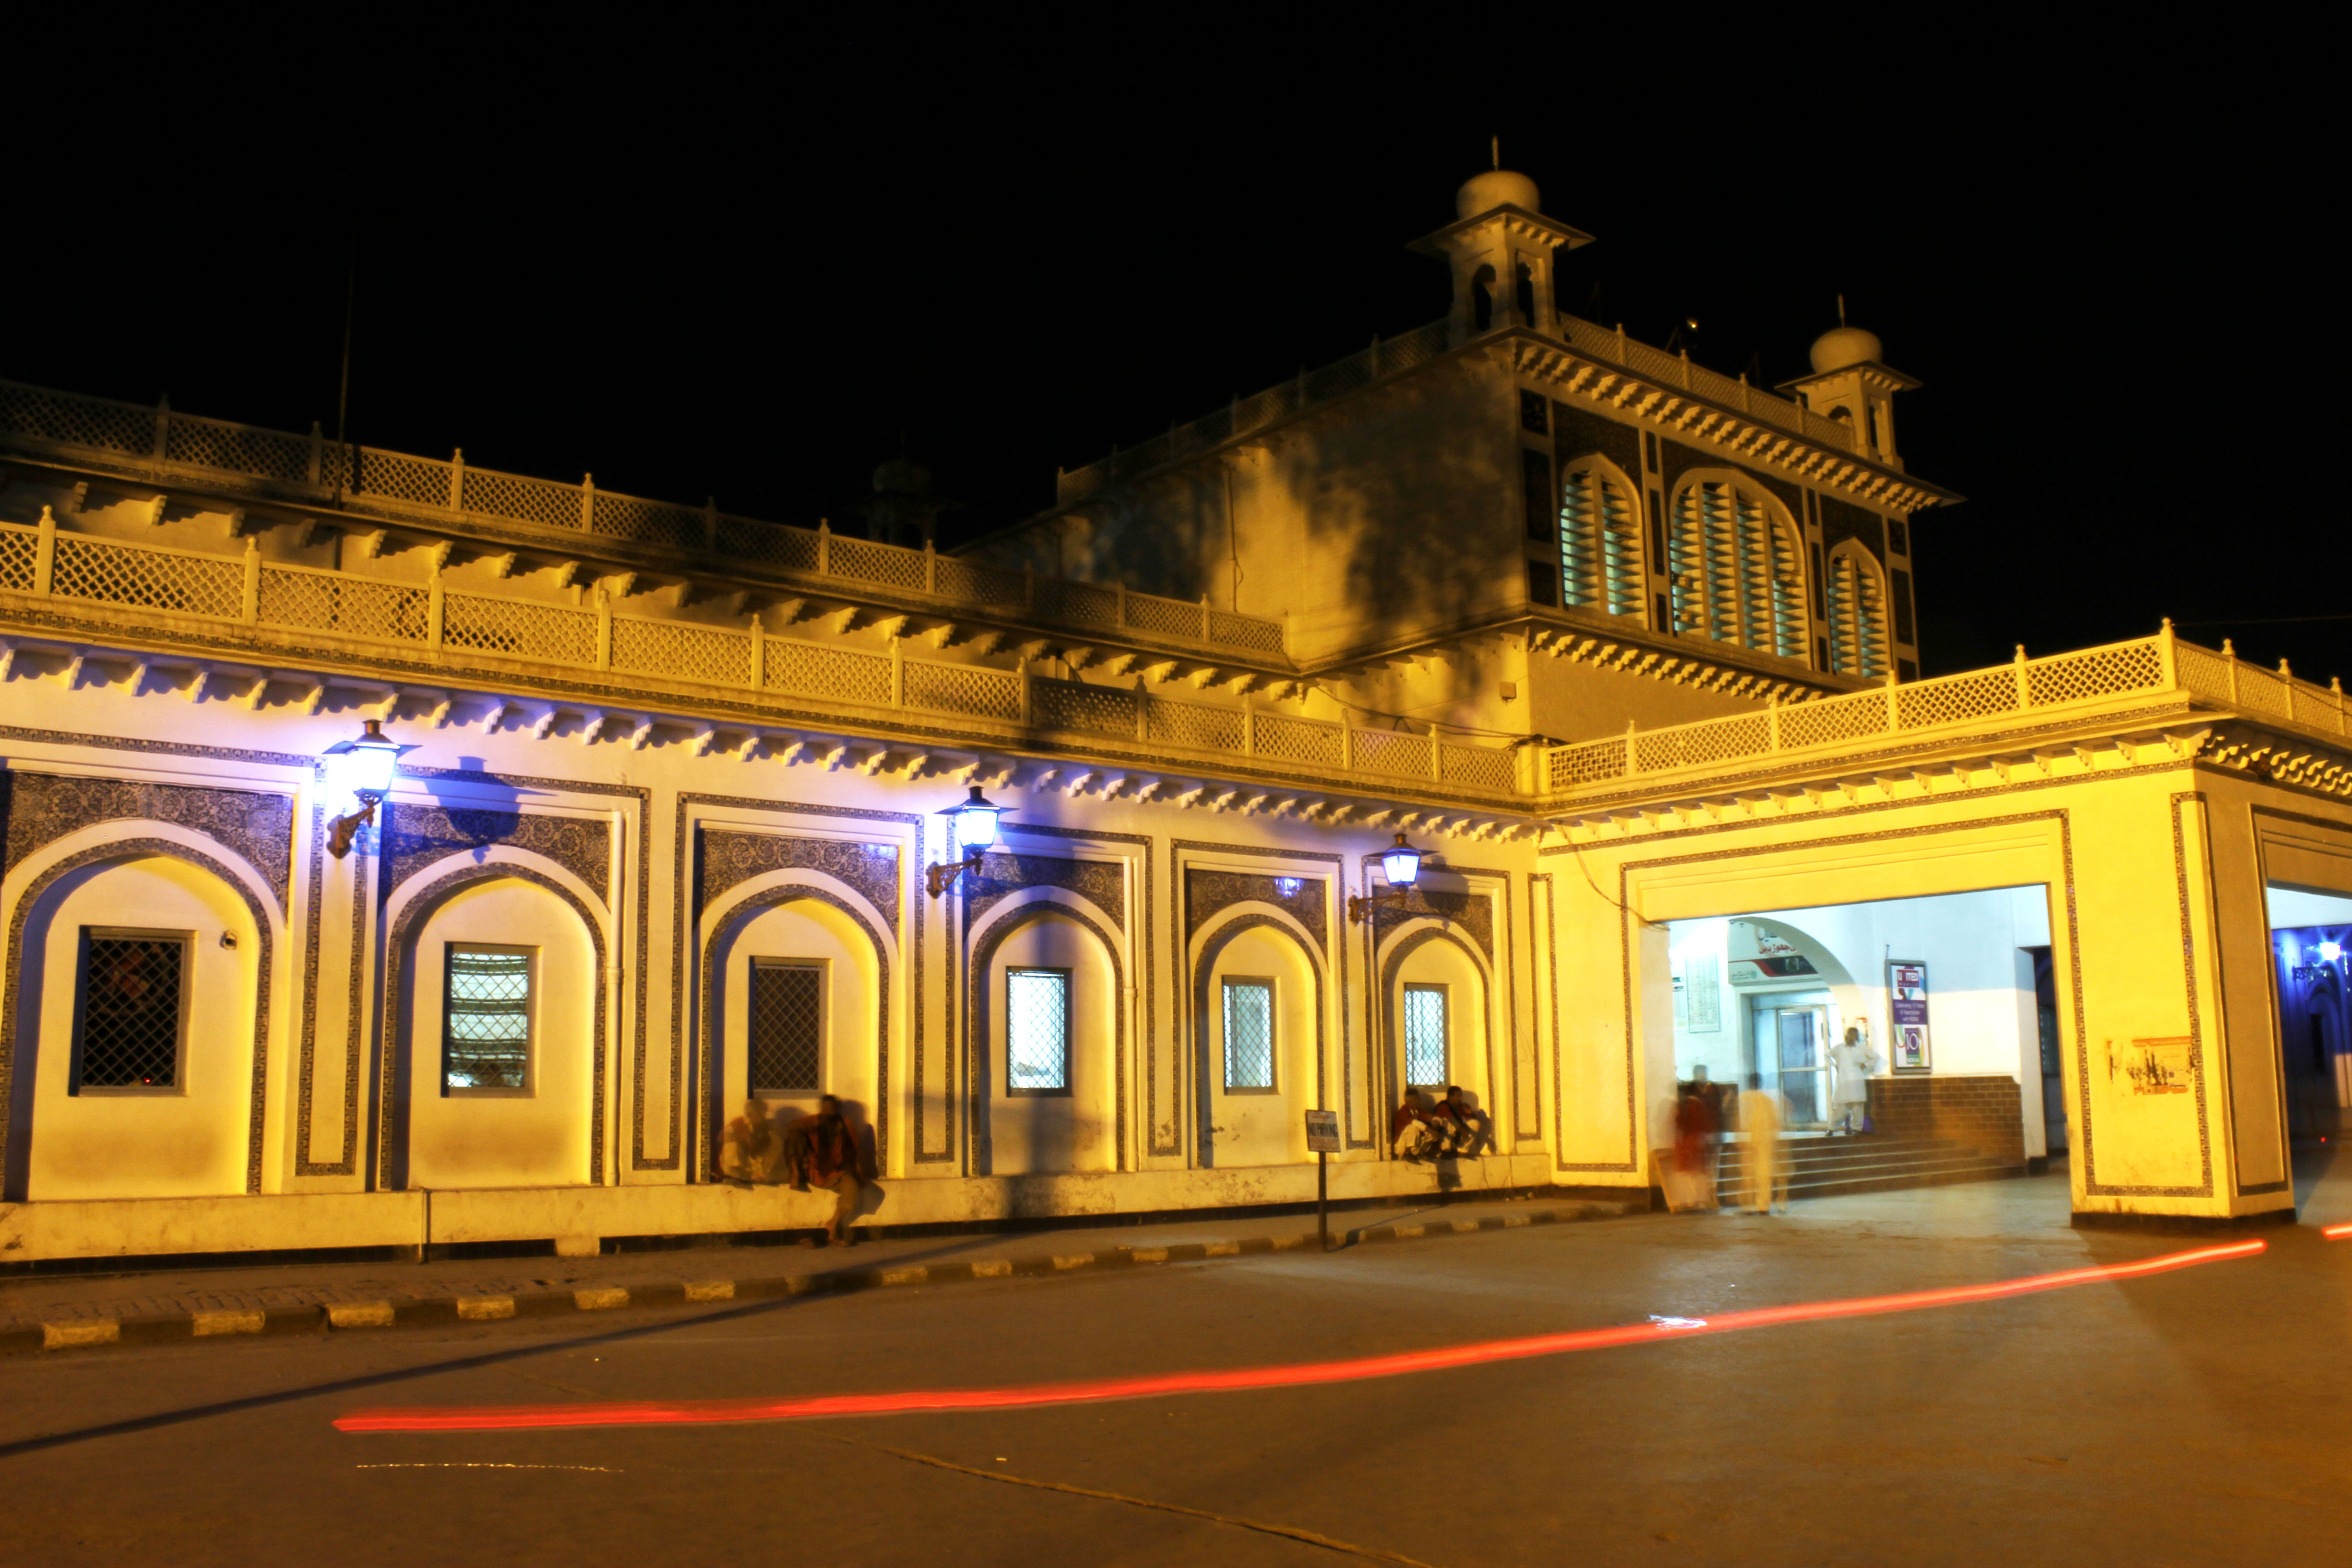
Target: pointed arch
(1857,595)
(1601,559)
(1735,564)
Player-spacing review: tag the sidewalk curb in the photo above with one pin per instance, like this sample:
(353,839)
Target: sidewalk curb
(351,1317)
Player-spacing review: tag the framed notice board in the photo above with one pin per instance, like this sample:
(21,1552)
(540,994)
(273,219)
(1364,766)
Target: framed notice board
(1906,1006)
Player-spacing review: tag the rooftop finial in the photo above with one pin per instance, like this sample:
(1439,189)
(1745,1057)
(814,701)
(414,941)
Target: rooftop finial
(1841,309)
(1494,149)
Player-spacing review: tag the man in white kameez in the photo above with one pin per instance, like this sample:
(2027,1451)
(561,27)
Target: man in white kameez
(1855,1061)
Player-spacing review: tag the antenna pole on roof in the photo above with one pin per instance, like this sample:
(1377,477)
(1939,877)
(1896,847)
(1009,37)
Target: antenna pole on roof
(1495,147)
(1841,309)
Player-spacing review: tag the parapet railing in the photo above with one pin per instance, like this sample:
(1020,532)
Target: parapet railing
(1418,346)
(374,482)
(2161,663)
(1256,412)
(1655,365)
(459,629)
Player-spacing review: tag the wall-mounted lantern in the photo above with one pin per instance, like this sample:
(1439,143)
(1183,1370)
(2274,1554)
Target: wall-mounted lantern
(975,830)
(368,768)
(1400,863)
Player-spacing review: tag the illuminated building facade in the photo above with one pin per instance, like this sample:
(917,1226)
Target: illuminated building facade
(1627,648)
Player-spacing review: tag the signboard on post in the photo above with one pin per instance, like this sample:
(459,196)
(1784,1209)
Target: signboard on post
(1906,1006)
(1323,1133)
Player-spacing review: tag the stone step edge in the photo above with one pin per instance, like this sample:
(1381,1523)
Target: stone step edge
(85,1334)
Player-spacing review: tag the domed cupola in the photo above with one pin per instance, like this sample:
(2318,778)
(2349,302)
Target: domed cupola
(1502,250)
(1851,384)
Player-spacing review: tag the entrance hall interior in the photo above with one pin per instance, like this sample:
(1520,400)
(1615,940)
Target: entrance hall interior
(2311,932)
(1954,993)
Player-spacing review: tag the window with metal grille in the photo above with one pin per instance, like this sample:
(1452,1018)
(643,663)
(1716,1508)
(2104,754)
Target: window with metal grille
(787,1017)
(1599,544)
(1737,574)
(1037,1031)
(131,1027)
(1857,616)
(1424,1036)
(1249,1036)
(486,1023)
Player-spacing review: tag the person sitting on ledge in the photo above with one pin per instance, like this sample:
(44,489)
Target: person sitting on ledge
(1411,1132)
(1463,1128)
(833,1165)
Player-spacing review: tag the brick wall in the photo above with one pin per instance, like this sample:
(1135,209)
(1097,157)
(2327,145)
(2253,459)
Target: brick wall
(1985,1114)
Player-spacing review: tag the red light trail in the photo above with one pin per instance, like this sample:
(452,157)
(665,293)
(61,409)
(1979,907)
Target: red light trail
(715,1412)
(2336,1232)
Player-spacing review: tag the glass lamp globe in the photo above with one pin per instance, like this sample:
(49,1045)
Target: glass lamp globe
(1400,863)
(2330,952)
(367,761)
(975,822)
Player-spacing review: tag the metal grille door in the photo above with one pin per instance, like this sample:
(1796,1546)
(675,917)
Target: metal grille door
(787,1027)
(486,1034)
(130,1025)
(1249,1034)
(1037,1030)
(1424,1036)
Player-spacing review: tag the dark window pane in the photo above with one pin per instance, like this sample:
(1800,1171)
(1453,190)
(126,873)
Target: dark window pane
(787,1025)
(130,1025)
(1534,413)
(487,1037)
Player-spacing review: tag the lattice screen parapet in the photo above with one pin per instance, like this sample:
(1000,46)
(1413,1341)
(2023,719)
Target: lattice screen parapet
(162,444)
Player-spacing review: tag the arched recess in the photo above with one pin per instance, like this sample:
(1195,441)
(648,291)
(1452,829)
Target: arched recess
(798,919)
(1429,956)
(1600,538)
(551,1131)
(1736,565)
(1078,1128)
(1857,595)
(91,915)
(1243,1124)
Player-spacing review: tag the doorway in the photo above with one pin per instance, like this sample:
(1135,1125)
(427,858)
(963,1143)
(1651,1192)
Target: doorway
(1792,1036)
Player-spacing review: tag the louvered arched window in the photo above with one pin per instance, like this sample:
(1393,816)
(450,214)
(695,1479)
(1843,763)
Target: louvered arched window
(1737,577)
(1857,614)
(1600,542)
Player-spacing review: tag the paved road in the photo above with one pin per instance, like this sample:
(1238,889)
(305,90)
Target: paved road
(2190,1417)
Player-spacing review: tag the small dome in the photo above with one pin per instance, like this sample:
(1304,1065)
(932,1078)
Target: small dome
(902,475)
(1495,188)
(1843,346)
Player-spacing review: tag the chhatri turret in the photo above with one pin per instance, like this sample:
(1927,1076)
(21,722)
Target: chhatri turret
(1851,384)
(1502,249)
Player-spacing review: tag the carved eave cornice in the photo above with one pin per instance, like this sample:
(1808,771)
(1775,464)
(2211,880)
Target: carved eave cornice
(902,746)
(1516,221)
(2270,757)
(1681,668)
(1874,375)
(1740,435)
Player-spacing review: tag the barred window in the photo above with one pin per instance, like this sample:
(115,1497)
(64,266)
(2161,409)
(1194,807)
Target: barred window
(1424,1036)
(1249,1036)
(1599,544)
(486,1031)
(1736,576)
(1037,1031)
(787,1032)
(1857,614)
(129,1030)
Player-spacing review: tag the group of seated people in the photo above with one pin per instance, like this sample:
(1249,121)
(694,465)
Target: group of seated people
(1451,1128)
(819,1151)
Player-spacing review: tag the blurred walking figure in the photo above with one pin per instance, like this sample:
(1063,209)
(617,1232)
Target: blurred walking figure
(1760,1174)
(1856,1060)
(1690,1185)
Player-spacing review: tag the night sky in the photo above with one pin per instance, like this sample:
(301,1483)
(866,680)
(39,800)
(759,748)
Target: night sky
(750,264)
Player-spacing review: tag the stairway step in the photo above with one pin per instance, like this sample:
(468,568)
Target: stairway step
(1982,1170)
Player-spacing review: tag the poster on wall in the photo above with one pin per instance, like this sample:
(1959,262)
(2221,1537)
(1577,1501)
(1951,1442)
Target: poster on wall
(1906,1004)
